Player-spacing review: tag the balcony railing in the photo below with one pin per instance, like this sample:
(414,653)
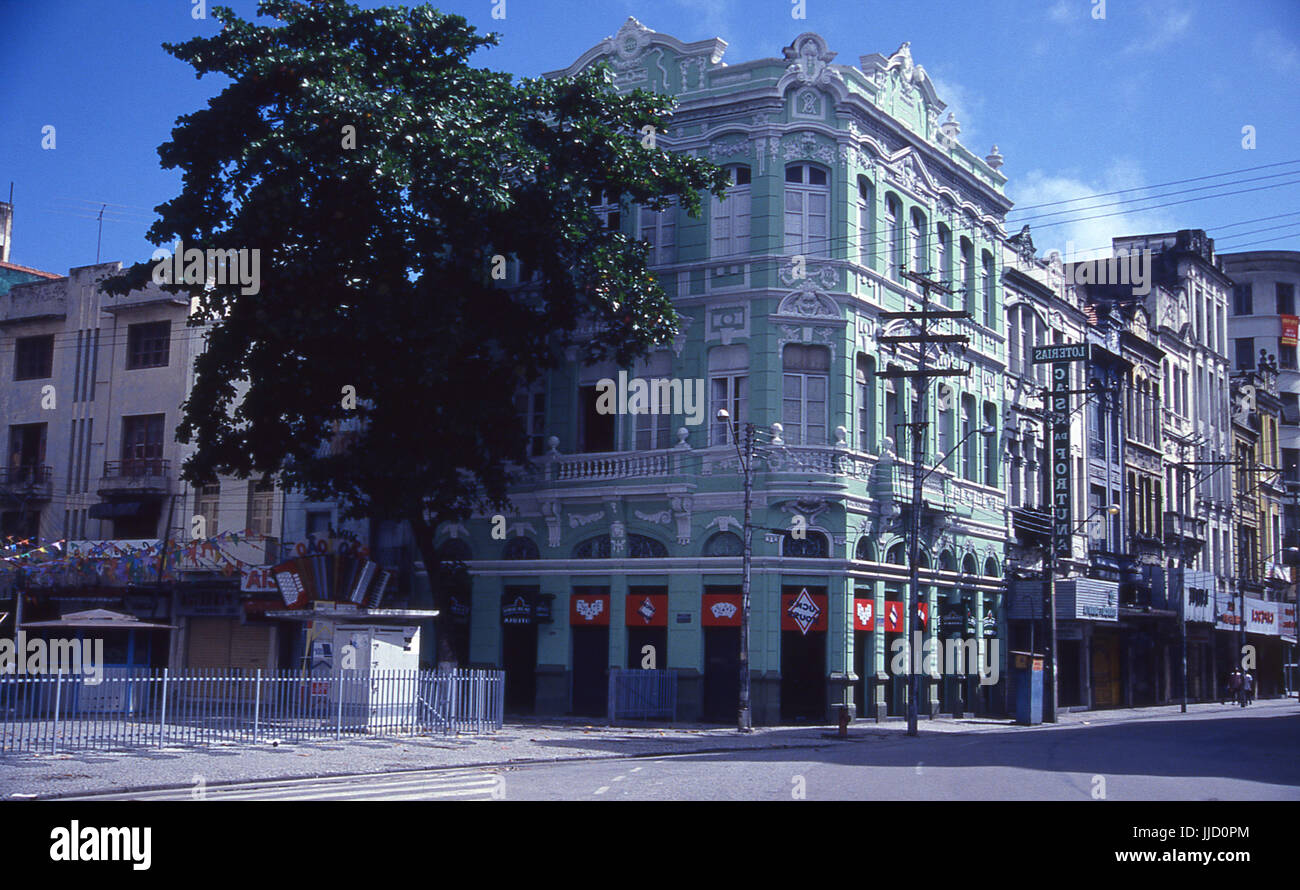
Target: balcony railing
(1179,526)
(28,474)
(149,476)
(136,467)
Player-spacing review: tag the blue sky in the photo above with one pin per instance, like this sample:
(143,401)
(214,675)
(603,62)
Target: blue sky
(1155,92)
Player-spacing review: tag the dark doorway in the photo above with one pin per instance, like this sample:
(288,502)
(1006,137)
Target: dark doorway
(864,666)
(590,664)
(896,685)
(519,658)
(640,637)
(597,428)
(1067,663)
(803,677)
(721,674)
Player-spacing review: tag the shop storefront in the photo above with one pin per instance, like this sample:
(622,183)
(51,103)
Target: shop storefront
(803,654)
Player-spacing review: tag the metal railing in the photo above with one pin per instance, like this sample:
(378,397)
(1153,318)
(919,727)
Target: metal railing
(26,474)
(642,695)
(136,467)
(50,713)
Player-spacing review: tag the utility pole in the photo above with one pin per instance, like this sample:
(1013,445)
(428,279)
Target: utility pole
(744,720)
(922,375)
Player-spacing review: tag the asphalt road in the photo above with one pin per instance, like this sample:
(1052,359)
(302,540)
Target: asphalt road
(1226,755)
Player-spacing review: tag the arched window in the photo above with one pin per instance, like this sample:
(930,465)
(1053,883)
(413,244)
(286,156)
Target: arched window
(813,544)
(593,548)
(659,231)
(945,260)
(641,547)
(894,246)
(724,544)
(866,550)
(919,261)
(730,217)
(897,555)
(454,550)
(991,568)
(520,547)
(866,396)
(805,382)
(986,289)
(965,275)
(866,223)
(807,211)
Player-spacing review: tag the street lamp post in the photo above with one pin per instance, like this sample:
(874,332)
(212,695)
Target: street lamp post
(744,719)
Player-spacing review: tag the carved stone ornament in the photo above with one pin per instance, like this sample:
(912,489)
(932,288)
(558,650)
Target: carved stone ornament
(627,46)
(810,60)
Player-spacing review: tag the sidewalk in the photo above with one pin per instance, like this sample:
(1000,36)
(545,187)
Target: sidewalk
(521,741)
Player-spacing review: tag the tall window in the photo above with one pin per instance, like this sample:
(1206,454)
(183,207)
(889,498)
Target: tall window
(986,288)
(893,238)
(1285,298)
(968,437)
(866,397)
(147,344)
(945,261)
(944,395)
(965,279)
(34,357)
(207,503)
(260,499)
(893,410)
(1245,353)
(990,445)
(730,217)
(1243,300)
(596,430)
(728,388)
(1015,358)
(807,213)
(653,430)
(531,407)
(142,444)
(804,388)
(916,241)
(609,212)
(658,230)
(866,223)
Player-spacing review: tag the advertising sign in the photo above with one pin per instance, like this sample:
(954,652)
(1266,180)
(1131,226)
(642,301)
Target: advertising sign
(1287,626)
(894,616)
(1262,617)
(589,609)
(803,611)
(1061,488)
(1290,330)
(646,610)
(864,614)
(720,610)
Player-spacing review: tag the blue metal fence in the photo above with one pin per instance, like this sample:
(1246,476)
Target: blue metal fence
(134,709)
(642,695)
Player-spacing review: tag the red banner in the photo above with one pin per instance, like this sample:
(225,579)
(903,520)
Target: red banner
(589,609)
(720,610)
(864,614)
(1290,330)
(646,610)
(804,611)
(894,616)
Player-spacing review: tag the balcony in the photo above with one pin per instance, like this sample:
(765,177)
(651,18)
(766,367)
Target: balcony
(26,484)
(136,477)
(1031,524)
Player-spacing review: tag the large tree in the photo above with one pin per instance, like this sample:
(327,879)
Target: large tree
(382,178)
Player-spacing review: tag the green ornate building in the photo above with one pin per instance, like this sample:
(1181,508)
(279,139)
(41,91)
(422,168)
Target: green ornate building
(628,533)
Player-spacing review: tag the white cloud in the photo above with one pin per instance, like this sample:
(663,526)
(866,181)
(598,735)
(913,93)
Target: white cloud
(1276,51)
(1163,28)
(964,105)
(1060,12)
(1068,224)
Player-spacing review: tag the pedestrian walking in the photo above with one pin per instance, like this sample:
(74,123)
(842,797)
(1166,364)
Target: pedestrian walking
(1234,687)
(1249,690)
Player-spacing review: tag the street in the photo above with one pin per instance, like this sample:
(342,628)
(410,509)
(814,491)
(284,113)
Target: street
(1197,756)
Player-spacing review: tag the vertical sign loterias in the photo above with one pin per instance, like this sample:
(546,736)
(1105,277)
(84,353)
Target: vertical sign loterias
(1061,491)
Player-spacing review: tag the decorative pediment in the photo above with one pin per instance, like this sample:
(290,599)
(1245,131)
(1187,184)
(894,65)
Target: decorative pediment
(909,75)
(810,61)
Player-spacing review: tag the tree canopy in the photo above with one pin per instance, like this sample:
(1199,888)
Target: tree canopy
(382,177)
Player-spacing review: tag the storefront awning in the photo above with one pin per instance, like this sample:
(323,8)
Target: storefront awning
(101,619)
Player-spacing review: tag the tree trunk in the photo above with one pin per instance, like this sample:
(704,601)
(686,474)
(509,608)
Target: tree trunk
(423,532)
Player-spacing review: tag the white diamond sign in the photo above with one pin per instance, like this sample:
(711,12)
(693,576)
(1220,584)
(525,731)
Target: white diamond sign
(804,611)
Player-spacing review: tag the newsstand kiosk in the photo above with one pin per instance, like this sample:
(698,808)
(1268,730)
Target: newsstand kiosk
(1027,669)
